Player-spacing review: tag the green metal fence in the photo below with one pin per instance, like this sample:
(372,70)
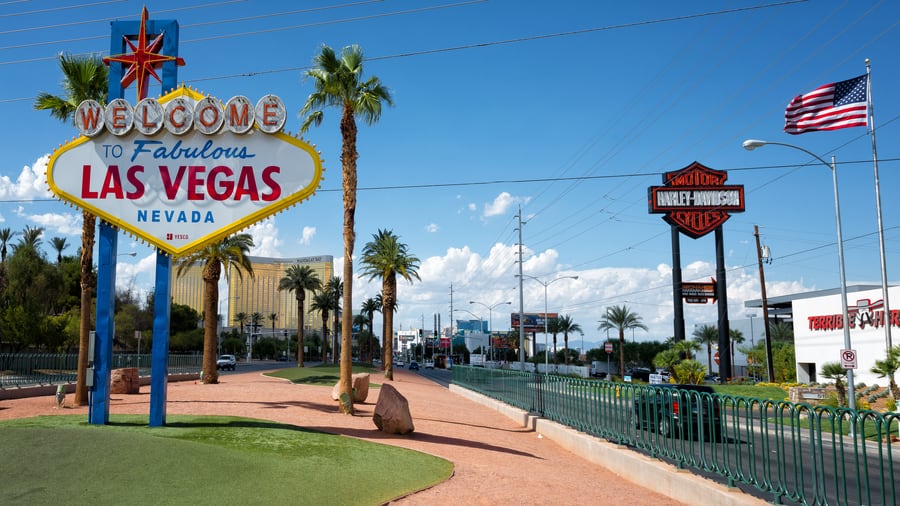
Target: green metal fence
(19,370)
(781,451)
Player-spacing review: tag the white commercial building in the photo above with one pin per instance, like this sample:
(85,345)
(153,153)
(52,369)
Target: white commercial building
(819,332)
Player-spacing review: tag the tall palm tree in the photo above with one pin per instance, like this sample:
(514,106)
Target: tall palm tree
(6,236)
(273,317)
(241,318)
(708,335)
(335,287)
(322,302)
(31,236)
(300,279)
(231,251)
(566,324)
(386,257)
(887,368)
(369,306)
(553,329)
(84,78)
(737,337)
(339,83)
(59,244)
(621,318)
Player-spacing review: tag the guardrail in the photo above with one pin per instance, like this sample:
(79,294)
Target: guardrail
(19,370)
(781,451)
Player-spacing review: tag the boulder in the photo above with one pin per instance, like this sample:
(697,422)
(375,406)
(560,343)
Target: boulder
(392,412)
(359,383)
(125,381)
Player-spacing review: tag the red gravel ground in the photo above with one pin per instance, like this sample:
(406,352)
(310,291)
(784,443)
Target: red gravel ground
(495,461)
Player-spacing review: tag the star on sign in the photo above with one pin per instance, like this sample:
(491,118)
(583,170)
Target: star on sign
(143,60)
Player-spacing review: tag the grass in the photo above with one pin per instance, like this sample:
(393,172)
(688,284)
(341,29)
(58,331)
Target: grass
(325,375)
(201,460)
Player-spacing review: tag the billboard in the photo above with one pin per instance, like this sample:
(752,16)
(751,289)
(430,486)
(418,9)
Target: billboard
(533,322)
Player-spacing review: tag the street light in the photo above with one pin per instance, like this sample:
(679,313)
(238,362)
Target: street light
(750,145)
(490,323)
(546,284)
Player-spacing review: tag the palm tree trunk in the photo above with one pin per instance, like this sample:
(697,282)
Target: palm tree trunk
(300,336)
(566,347)
(210,371)
(622,352)
(348,165)
(87,285)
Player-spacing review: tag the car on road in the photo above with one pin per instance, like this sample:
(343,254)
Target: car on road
(399,363)
(413,366)
(429,364)
(685,411)
(226,362)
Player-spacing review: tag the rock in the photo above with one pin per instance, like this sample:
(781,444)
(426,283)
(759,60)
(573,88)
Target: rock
(125,381)
(392,412)
(359,383)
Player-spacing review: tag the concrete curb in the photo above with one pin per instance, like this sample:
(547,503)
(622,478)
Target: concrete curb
(649,473)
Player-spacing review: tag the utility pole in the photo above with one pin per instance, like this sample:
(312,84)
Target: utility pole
(770,367)
(521,299)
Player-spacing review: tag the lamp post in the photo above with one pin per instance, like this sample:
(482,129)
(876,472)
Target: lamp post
(490,309)
(546,284)
(750,145)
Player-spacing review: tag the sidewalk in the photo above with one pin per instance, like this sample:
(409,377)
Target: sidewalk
(495,460)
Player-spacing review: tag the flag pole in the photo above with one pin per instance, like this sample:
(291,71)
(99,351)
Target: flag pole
(884,281)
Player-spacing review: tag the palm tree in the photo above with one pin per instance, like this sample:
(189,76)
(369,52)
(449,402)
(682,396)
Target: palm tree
(6,236)
(255,322)
(386,257)
(687,348)
(231,251)
(335,287)
(59,244)
(553,329)
(300,279)
(369,306)
(565,324)
(241,319)
(84,78)
(708,335)
(887,368)
(834,371)
(737,337)
(621,318)
(31,236)
(322,302)
(667,360)
(273,317)
(339,83)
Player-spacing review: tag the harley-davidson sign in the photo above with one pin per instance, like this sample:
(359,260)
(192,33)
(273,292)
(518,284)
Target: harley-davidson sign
(695,199)
(186,170)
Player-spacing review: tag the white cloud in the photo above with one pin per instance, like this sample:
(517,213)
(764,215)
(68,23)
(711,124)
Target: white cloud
(431,227)
(66,224)
(306,236)
(265,239)
(30,184)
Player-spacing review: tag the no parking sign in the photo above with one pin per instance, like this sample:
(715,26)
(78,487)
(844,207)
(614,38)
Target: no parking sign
(848,359)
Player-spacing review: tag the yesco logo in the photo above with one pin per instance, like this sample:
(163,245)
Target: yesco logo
(185,170)
(180,115)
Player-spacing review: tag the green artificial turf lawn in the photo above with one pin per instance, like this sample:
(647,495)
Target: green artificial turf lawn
(326,375)
(199,460)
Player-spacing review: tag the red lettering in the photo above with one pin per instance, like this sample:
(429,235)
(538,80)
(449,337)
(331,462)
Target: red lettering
(203,117)
(86,183)
(145,120)
(895,318)
(112,183)
(171,186)
(89,118)
(246,185)
(241,117)
(812,322)
(176,124)
(273,185)
(270,112)
(226,184)
(118,117)
(136,183)
(194,181)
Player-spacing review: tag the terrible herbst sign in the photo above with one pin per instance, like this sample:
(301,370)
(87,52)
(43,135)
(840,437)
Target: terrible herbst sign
(695,199)
(186,170)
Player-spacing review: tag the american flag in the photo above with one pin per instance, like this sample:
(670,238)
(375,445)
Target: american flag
(829,107)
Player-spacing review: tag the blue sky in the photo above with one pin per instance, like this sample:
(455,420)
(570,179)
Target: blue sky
(569,110)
